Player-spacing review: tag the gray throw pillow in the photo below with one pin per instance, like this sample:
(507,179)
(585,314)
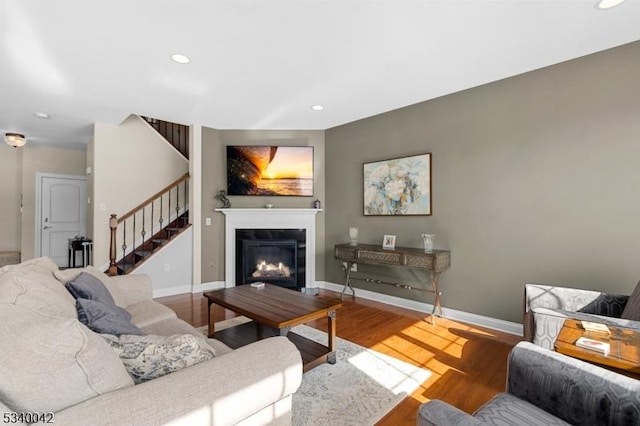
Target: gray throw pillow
(87,286)
(632,308)
(149,357)
(104,319)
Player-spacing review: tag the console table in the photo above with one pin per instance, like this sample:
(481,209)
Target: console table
(435,262)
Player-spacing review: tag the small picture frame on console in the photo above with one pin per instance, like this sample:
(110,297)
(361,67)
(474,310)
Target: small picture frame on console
(389,242)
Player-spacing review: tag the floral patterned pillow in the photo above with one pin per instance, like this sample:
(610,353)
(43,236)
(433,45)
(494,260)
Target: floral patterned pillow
(149,357)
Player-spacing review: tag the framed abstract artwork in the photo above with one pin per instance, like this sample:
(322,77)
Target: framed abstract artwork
(397,187)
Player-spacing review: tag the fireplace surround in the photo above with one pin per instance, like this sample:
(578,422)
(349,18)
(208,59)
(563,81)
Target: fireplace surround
(271,219)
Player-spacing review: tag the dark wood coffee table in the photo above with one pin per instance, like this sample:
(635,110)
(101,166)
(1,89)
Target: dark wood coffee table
(274,310)
(624,352)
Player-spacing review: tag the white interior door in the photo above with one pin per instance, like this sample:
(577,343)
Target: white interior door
(63,211)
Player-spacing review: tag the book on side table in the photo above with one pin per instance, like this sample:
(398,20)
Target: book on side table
(594,345)
(595,327)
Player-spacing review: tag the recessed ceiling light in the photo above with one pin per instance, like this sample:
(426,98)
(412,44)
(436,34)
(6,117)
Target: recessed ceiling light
(180,58)
(317,107)
(41,115)
(608,4)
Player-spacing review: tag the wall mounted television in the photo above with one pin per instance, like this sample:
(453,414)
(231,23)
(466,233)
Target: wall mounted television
(270,170)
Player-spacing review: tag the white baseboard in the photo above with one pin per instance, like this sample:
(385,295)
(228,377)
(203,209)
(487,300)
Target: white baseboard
(213,285)
(453,314)
(172,291)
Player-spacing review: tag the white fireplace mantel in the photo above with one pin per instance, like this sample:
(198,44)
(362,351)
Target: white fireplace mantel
(269,219)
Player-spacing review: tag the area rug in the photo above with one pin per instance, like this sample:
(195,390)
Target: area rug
(359,389)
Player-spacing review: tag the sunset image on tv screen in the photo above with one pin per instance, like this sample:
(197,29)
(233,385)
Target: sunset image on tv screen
(270,170)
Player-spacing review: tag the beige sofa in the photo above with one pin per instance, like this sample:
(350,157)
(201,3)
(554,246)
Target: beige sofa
(51,363)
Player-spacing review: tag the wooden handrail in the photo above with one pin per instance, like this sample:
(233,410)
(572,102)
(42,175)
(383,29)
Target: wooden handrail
(115,222)
(153,197)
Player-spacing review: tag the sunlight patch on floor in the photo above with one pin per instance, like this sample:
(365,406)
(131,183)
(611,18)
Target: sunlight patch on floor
(399,377)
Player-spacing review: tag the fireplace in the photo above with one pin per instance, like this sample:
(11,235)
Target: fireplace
(273,256)
(303,221)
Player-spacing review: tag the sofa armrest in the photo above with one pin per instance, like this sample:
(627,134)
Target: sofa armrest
(573,390)
(436,413)
(569,299)
(222,391)
(131,288)
(573,299)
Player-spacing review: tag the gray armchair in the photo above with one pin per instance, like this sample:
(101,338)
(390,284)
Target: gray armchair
(548,388)
(546,307)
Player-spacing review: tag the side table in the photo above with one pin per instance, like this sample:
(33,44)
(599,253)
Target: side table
(623,357)
(83,245)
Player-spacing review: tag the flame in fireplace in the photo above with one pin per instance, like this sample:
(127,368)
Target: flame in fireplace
(271,270)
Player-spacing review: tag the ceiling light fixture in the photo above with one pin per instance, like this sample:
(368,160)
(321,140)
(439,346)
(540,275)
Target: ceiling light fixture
(608,4)
(43,115)
(317,107)
(180,58)
(15,139)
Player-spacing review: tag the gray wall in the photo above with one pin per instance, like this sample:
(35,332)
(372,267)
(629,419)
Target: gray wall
(214,144)
(535,179)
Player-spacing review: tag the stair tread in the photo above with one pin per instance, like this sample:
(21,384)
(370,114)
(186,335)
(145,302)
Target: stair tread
(153,244)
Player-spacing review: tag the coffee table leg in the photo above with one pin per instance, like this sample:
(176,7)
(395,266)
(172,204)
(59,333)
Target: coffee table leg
(283,331)
(331,318)
(212,327)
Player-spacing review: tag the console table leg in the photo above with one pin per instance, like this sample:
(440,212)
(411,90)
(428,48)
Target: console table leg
(437,304)
(347,282)
(283,331)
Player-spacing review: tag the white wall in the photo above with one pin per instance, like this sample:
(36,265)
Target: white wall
(170,269)
(131,162)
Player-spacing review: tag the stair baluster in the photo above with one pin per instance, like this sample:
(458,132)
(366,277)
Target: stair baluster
(141,247)
(176,134)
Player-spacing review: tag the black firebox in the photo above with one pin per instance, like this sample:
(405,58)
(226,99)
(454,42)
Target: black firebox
(273,256)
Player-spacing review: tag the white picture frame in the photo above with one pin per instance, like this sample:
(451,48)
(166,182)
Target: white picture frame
(389,242)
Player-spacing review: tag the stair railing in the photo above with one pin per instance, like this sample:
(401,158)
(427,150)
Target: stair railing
(176,134)
(137,228)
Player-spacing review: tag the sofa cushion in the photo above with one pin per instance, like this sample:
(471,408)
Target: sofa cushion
(38,291)
(149,357)
(43,265)
(49,361)
(148,312)
(67,275)
(632,308)
(87,286)
(103,318)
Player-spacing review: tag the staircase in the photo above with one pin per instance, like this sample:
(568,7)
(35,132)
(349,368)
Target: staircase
(143,252)
(144,230)
(176,134)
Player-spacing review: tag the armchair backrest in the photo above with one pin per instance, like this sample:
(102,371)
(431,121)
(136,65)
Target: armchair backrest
(573,390)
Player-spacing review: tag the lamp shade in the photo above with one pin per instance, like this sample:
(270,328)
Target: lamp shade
(15,139)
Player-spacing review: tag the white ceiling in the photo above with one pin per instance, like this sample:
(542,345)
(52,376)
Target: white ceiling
(261,64)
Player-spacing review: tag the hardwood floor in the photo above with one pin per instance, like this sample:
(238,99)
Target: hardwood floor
(468,363)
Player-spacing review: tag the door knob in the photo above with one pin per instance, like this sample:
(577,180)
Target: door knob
(46,227)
